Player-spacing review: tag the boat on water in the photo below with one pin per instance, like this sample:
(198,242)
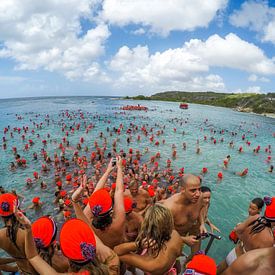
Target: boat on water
(184,106)
(134,108)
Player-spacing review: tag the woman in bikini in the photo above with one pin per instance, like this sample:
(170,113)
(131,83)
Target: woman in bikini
(12,235)
(157,245)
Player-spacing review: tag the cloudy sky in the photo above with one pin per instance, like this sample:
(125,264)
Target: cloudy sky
(130,47)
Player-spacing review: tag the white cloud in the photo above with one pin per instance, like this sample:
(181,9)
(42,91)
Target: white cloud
(46,35)
(139,31)
(257,16)
(254,78)
(251,89)
(232,52)
(171,69)
(162,16)
(189,67)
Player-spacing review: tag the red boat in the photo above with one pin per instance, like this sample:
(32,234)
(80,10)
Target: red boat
(184,106)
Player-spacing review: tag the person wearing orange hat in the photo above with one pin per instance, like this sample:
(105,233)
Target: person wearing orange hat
(133,220)
(201,265)
(44,231)
(12,235)
(36,204)
(243,173)
(108,219)
(79,244)
(157,246)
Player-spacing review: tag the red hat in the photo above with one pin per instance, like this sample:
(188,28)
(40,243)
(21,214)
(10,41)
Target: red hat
(44,231)
(36,199)
(151,192)
(59,183)
(67,214)
(220,175)
(81,172)
(85,201)
(270,208)
(204,170)
(7,202)
(100,202)
(63,193)
(77,241)
(202,264)
(114,186)
(128,204)
(67,202)
(155,181)
(69,177)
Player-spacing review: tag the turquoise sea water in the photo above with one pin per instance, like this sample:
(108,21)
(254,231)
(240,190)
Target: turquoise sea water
(230,197)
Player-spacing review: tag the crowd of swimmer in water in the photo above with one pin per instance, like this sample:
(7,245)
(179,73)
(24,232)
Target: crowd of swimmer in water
(122,202)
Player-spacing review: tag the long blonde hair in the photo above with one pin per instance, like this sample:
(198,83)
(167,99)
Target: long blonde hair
(157,226)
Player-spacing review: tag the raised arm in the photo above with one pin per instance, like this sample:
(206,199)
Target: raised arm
(103,179)
(105,254)
(119,209)
(99,185)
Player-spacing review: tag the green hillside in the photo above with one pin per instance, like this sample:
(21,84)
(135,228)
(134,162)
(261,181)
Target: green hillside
(247,102)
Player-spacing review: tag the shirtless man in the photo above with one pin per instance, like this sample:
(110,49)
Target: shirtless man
(255,232)
(187,209)
(140,197)
(254,262)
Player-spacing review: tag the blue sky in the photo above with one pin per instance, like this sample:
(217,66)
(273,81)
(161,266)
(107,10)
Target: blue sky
(131,47)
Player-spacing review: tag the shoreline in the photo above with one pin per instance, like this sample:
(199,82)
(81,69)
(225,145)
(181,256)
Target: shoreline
(245,110)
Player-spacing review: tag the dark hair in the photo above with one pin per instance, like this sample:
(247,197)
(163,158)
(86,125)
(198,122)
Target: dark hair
(101,222)
(259,202)
(259,225)
(12,229)
(205,189)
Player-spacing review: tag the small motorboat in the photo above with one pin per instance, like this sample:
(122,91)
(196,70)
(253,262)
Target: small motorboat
(184,106)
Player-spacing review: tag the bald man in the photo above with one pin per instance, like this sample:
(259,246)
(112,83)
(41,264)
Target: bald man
(187,209)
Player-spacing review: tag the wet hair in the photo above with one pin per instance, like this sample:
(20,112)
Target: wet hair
(157,226)
(259,202)
(12,229)
(205,189)
(259,225)
(46,253)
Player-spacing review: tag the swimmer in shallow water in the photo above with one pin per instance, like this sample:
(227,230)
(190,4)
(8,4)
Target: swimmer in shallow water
(243,173)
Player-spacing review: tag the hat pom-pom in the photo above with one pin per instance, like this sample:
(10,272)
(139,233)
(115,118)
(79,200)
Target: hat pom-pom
(267,200)
(96,210)
(5,206)
(200,252)
(38,243)
(88,251)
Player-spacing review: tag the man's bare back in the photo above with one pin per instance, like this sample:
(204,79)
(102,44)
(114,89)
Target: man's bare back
(254,262)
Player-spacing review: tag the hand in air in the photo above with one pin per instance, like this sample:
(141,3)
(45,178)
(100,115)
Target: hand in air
(77,193)
(22,218)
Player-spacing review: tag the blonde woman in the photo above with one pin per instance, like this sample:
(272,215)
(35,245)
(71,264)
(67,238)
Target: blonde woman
(157,246)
